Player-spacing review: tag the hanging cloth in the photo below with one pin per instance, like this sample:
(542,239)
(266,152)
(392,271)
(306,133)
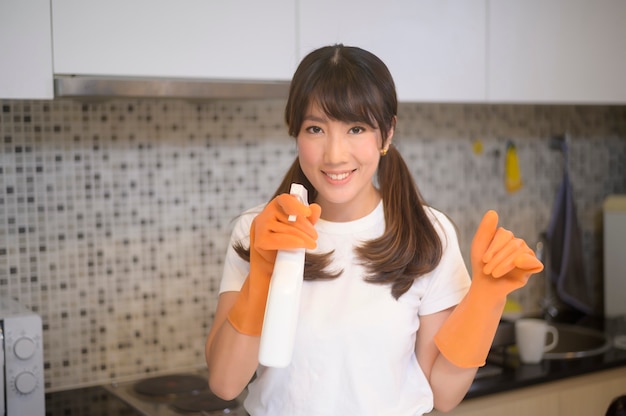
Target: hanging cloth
(565,248)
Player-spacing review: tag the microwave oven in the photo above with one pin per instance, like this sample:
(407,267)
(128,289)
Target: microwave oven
(21,360)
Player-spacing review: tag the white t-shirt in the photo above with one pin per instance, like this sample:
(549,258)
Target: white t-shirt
(354,348)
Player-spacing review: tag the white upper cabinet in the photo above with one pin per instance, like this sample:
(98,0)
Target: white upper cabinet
(25,50)
(472,51)
(435,49)
(557,51)
(229,40)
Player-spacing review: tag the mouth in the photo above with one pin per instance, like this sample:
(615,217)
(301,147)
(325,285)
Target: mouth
(340,176)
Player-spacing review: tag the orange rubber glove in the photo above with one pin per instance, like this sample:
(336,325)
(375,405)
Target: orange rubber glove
(271,231)
(501,264)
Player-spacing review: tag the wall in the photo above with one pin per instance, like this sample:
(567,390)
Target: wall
(115,215)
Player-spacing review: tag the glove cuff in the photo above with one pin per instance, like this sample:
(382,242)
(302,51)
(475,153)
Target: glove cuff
(466,336)
(246,315)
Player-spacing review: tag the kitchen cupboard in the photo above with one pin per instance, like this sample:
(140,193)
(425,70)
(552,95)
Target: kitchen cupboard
(25,50)
(582,395)
(476,51)
(229,40)
(557,51)
(435,50)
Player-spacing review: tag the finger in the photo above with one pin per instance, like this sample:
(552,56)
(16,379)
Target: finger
(501,239)
(505,266)
(521,259)
(502,254)
(529,262)
(291,235)
(300,226)
(279,241)
(484,234)
(291,205)
(316,212)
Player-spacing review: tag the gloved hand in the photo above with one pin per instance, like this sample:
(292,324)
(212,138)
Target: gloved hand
(271,231)
(501,264)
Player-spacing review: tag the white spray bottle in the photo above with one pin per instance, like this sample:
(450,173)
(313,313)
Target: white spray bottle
(283,301)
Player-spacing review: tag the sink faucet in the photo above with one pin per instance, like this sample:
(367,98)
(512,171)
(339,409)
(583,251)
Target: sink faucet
(549,303)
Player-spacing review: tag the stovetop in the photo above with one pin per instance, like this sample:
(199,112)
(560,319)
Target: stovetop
(176,394)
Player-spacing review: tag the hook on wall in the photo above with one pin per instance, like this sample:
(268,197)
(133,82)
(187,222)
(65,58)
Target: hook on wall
(556,142)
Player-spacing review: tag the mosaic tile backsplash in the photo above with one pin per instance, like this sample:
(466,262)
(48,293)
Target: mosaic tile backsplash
(115,215)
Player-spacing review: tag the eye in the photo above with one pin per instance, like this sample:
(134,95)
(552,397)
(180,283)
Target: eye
(313,129)
(356,130)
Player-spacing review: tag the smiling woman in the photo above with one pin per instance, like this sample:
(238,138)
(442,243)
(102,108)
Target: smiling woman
(380,264)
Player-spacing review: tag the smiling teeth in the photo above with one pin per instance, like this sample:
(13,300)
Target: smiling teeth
(337,177)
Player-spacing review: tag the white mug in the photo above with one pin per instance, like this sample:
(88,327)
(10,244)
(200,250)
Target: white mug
(530,337)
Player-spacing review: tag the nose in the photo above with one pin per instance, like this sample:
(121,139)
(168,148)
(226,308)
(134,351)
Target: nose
(335,149)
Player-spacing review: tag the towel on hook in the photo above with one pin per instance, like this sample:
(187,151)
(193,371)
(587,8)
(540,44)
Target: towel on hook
(567,268)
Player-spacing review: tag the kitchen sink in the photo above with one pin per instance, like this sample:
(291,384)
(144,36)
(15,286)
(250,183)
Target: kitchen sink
(574,342)
(578,342)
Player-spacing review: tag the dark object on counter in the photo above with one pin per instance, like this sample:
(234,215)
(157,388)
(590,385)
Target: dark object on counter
(170,385)
(617,407)
(175,394)
(203,402)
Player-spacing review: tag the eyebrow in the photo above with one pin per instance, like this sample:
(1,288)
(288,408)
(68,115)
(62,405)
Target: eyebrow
(310,117)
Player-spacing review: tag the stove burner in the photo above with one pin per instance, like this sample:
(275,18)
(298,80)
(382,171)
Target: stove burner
(203,402)
(170,385)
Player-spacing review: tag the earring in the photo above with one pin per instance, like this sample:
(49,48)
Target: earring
(383,152)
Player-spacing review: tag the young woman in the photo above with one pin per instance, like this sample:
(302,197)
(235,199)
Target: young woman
(379,329)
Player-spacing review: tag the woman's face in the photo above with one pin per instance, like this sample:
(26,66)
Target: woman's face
(340,160)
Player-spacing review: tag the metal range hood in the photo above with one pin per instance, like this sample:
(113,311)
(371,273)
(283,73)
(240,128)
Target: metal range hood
(94,87)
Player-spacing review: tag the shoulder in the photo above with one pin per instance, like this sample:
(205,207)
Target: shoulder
(241,228)
(439,219)
(442,224)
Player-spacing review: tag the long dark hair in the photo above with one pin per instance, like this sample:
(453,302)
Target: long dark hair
(351,84)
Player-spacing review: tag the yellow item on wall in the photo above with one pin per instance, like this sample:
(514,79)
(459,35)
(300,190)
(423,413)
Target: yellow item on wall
(477,146)
(512,174)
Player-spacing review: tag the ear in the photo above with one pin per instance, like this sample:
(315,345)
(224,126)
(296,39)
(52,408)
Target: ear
(392,129)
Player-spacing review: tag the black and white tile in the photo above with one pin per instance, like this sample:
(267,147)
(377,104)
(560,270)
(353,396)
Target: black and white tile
(115,215)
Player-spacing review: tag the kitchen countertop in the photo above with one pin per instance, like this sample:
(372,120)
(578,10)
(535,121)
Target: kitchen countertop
(89,401)
(516,376)
(96,401)
(512,375)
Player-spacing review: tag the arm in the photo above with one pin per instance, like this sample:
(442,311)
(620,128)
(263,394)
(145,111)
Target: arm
(232,345)
(501,264)
(448,382)
(232,357)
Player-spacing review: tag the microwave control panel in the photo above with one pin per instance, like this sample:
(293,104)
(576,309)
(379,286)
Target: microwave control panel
(21,359)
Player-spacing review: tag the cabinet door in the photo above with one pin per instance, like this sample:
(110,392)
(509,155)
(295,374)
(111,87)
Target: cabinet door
(435,49)
(555,51)
(583,395)
(594,394)
(522,402)
(25,49)
(231,40)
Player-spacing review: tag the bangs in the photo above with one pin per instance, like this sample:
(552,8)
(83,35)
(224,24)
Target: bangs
(346,98)
(348,84)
